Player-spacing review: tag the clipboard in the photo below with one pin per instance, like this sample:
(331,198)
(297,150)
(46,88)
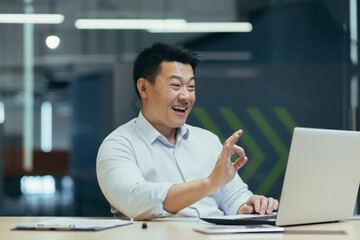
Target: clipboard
(73,224)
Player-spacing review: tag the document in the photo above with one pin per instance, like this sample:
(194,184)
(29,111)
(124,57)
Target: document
(77,224)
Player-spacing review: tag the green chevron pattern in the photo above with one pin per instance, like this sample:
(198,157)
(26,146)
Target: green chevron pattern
(206,121)
(248,141)
(276,143)
(250,145)
(285,118)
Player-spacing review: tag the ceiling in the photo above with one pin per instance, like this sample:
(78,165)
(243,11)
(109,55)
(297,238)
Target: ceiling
(86,51)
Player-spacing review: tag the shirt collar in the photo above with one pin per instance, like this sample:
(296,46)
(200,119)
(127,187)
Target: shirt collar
(151,134)
(183,132)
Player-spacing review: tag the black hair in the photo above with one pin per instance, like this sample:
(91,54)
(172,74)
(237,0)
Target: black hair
(147,63)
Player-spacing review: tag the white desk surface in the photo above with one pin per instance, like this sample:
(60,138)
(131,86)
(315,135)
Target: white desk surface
(172,228)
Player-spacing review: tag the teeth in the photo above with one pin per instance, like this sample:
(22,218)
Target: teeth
(179,108)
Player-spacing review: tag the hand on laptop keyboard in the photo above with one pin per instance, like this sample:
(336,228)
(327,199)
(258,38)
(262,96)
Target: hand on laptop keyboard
(259,204)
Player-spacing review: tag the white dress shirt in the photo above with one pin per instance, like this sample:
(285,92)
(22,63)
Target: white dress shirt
(136,167)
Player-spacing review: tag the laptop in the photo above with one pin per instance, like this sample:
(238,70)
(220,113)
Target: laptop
(321,181)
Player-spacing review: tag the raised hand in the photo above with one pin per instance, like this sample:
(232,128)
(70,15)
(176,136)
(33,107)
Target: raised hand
(224,170)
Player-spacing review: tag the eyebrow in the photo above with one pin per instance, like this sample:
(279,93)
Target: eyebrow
(181,78)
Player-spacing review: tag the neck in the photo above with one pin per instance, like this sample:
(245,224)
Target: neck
(172,137)
(168,133)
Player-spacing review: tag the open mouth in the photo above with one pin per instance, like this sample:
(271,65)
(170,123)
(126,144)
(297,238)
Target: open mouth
(179,109)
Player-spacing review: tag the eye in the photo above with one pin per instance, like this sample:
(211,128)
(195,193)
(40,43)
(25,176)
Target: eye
(175,85)
(191,87)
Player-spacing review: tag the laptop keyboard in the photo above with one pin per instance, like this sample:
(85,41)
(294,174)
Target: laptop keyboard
(265,217)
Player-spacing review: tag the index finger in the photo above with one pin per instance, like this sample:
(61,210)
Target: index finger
(235,137)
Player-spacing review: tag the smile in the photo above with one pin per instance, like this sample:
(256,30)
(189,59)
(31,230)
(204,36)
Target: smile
(179,109)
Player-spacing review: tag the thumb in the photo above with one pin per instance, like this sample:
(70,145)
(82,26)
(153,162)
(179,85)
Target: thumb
(246,209)
(249,209)
(239,163)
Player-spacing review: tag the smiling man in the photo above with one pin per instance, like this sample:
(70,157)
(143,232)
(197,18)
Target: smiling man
(157,165)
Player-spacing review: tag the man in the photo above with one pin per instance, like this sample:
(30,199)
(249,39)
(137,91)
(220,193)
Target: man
(156,165)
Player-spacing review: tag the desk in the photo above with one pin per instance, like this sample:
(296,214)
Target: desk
(166,228)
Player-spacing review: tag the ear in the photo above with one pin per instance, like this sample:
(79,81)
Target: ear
(141,85)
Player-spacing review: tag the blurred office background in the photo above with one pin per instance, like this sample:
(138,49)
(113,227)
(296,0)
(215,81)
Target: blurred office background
(289,63)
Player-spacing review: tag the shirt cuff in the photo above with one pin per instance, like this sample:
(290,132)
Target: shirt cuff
(159,193)
(238,202)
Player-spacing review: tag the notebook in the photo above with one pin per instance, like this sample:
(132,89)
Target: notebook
(321,180)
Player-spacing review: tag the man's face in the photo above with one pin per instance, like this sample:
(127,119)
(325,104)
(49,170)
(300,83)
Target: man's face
(171,97)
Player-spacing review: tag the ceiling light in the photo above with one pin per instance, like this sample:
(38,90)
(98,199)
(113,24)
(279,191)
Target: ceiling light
(32,18)
(163,25)
(52,41)
(138,24)
(198,27)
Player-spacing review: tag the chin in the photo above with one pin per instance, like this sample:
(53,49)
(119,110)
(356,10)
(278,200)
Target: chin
(179,124)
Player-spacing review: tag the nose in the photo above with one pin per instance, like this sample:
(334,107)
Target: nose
(185,95)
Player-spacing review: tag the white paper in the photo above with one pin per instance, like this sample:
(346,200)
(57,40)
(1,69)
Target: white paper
(76,224)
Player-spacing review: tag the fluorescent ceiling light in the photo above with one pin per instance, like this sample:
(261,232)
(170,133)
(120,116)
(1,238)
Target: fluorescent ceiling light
(32,18)
(198,27)
(140,24)
(163,25)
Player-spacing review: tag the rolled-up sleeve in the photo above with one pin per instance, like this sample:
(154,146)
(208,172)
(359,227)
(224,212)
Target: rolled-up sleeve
(123,185)
(233,195)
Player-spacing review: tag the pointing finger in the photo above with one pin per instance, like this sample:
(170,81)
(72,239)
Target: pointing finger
(234,138)
(238,150)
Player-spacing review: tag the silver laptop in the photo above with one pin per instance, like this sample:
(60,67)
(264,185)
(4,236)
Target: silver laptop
(321,180)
